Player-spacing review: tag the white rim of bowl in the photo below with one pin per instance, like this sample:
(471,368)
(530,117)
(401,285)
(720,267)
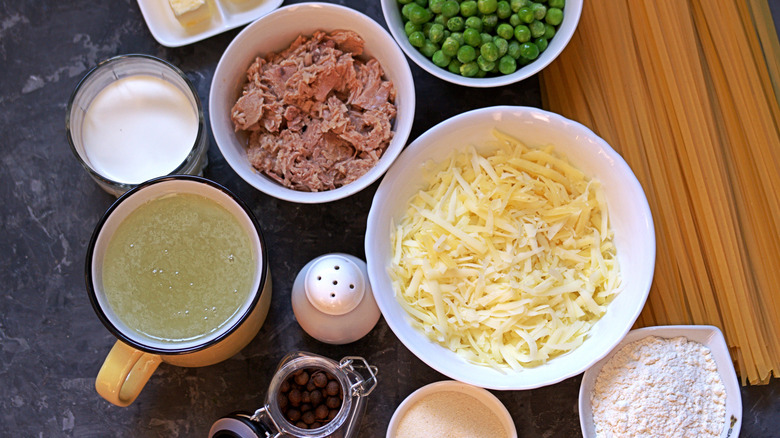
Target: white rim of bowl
(497,81)
(419,143)
(483,395)
(715,341)
(375,172)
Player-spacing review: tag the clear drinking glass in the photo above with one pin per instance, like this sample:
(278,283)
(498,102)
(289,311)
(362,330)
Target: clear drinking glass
(110,71)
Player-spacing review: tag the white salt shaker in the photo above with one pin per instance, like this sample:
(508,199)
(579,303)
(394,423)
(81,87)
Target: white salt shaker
(332,299)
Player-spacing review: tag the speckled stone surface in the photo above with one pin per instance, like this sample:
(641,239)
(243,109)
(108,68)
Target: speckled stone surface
(51,342)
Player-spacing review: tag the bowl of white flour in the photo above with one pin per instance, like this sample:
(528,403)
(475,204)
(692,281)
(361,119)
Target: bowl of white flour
(668,381)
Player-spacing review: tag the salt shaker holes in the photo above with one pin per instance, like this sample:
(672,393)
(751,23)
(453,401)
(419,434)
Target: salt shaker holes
(332,299)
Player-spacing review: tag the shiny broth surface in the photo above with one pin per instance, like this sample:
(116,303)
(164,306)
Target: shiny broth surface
(178,268)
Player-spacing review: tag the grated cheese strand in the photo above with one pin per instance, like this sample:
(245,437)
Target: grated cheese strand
(506,259)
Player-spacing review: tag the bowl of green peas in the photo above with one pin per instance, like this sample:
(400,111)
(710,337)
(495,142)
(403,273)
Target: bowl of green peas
(482,43)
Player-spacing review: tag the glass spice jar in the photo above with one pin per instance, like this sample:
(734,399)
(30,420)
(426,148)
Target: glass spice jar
(348,381)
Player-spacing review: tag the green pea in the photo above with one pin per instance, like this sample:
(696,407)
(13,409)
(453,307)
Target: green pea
(468,8)
(554,16)
(472,37)
(417,39)
(489,51)
(454,66)
(410,28)
(481,74)
(426,29)
(507,65)
(486,37)
(487,6)
(541,43)
(466,54)
(450,46)
(458,36)
(474,23)
(423,3)
(505,30)
(489,22)
(549,31)
(450,8)
(557,3)
(469,69)
(440,19)
(484,64)
(517,4)
(539,9)
(521,61)
(523,33)
(503,10)
(456,24)
(513,49)
(514,20)
(405,2)
(407,8)
(440,59)
(429,48)
(502,45)
(526,14)
(537,28)
(418,14)
(529,50)
(436,34)
(447,33)
(436,6)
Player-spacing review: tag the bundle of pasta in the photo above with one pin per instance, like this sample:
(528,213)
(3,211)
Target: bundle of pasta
(506,259)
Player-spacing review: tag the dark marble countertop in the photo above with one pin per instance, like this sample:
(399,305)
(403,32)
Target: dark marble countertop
(51,342)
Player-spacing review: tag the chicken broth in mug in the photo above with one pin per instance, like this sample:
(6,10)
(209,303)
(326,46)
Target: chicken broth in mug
(178,268)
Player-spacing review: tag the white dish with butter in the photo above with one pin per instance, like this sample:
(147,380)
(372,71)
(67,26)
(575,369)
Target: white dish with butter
(709,336)
(220,16)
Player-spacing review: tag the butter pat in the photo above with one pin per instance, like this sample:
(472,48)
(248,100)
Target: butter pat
(190,11)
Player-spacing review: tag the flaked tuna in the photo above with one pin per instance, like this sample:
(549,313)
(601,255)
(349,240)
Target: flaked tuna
(317,114)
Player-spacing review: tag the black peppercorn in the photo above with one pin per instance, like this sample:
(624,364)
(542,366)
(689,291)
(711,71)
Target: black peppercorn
(310,398)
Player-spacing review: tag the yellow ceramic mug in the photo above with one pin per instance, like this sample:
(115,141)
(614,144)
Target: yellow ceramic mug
(136,354)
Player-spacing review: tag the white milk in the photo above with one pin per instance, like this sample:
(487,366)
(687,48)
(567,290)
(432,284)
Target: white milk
(138,128)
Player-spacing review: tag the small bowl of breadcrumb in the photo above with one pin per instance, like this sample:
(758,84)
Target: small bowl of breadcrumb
(661,381)
(450,408)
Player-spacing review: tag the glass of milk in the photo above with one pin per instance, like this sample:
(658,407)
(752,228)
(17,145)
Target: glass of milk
(133,118)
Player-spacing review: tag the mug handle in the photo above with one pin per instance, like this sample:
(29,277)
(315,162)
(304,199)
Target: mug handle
(124,373)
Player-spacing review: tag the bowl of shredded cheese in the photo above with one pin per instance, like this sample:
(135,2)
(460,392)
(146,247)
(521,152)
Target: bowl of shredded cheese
(510,248)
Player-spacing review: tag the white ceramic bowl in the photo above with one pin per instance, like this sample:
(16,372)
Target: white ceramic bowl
(571,17)
(629,215)
(488,399)
(708,335)
(275,32)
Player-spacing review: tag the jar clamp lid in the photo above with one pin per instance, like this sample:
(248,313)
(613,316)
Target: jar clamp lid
(239,424)
(356,378)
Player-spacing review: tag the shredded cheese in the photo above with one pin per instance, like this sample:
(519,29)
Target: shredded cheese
(506,259)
